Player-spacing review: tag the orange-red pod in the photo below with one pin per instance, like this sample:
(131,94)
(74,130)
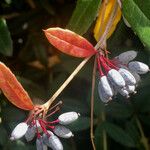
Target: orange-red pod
(13,90)
(69,42)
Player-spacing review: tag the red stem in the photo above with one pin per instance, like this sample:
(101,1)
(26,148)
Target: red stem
(110,64)
(53,122)
(38,134)
(42,124)
(51,127)
(99,67)
(57,109)
(106,67)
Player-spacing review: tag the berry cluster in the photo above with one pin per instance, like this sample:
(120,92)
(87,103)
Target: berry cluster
(46,132)
(121,75)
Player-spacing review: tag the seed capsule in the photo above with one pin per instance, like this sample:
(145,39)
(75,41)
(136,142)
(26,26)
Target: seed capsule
(104,89)
(136,76)
(126,57)
(54,143)
(138,67)
(127,76)
(19,131)
(62,131)
(106,86)
(131,89)
(124,92)
(40,145)
(103,96)
(67,118)
(30,133)
(115,78)
(46,137)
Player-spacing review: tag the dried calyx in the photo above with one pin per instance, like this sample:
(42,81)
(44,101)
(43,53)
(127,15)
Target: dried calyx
(120,75)
(46,132)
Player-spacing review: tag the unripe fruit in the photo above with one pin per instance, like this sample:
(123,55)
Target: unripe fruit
(138,67)
(104,89)
(40,145)
(62,131)
(126,57)
(127,76)
(67,118)
(30,133)
(115,78)
(19,131)
(55,143)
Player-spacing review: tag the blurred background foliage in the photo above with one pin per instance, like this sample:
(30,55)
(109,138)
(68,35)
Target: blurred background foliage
(41,69)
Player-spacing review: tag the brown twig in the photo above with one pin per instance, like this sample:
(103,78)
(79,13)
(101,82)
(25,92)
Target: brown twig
(92,104)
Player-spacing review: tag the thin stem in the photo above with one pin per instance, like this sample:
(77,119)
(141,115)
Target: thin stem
(109,63)
(57,109)
(104,133)
(69,79)
(99,67)
(79,67)
(143,138)
(107,29)
(92,104)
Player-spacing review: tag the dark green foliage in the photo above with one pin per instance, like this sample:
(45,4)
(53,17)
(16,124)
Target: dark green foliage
(116,125)
(5,39)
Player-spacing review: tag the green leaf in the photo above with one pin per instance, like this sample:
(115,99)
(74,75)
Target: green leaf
(99,136)
(119,135)
(32,88)
(10,114)
(133,131)
(119,110)
(69,64)
(144,7)
(6,47)
(77,105)
(16,145)
(3,135)
(82,123)
(83,15)
(138,21)
(40,50)
(145,119)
